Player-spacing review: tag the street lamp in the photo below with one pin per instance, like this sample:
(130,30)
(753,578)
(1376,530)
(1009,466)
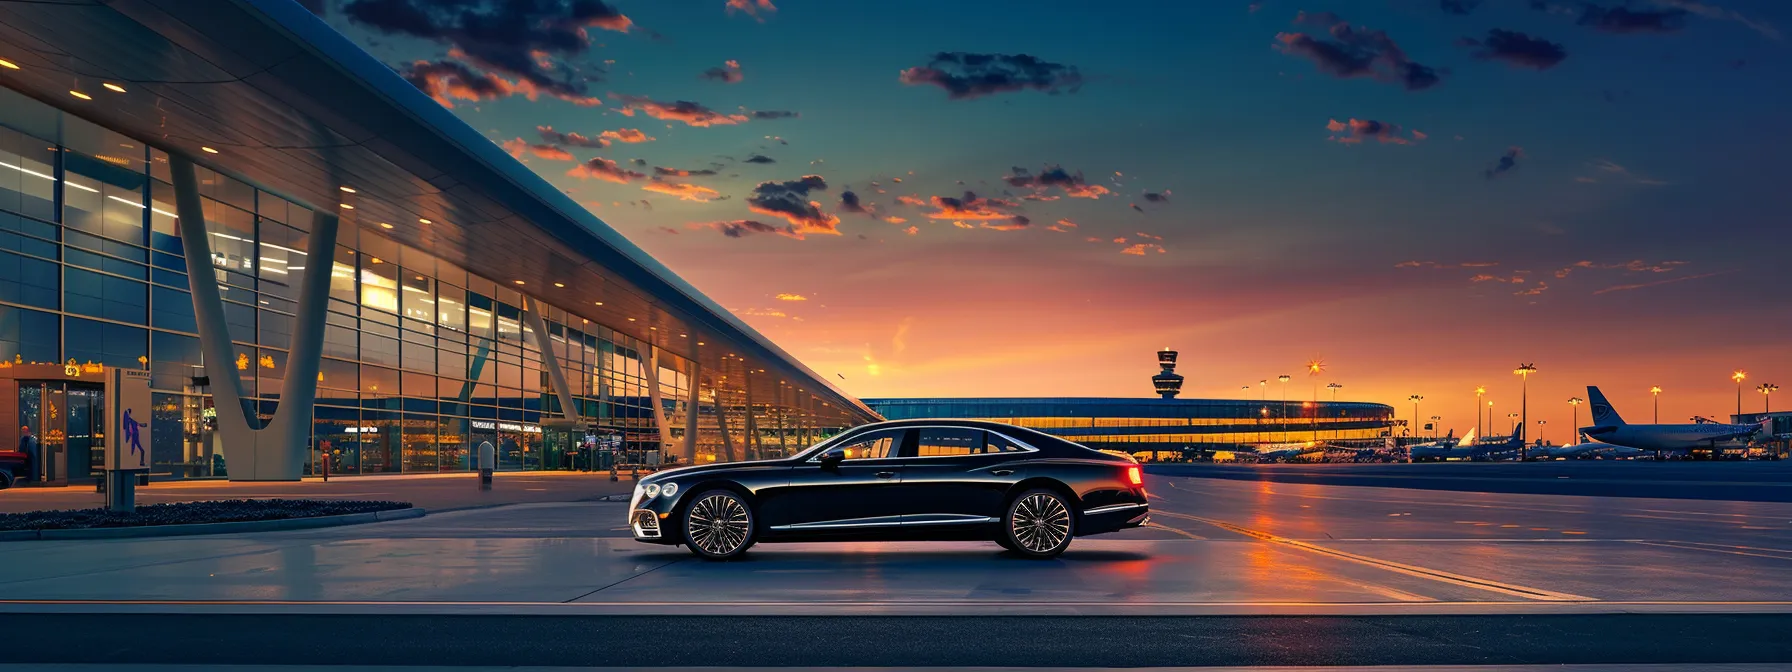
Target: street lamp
(1574,403)
(1434,425)
(1489,415)
(1334,387)
(1524,372)
(1479,391)
(1767,390)
(1655,391)
(1739,376)
(1415,399)
(1540,435)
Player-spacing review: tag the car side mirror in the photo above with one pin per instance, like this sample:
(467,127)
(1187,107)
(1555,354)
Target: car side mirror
(832,457)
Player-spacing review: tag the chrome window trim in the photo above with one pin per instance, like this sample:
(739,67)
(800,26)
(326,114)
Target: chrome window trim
(1025,447)
(816,458)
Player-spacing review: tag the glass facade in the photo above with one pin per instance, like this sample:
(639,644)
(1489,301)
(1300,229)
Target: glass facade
(422,360)
(1167,428)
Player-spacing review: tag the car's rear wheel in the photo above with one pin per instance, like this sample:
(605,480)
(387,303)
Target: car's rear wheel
(1039,524)
(718,525)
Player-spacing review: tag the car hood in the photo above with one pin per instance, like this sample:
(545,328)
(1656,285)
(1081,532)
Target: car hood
(706,468)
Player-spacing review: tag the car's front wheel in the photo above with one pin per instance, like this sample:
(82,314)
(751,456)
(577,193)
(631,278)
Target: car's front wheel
(718,525)
(1039,524)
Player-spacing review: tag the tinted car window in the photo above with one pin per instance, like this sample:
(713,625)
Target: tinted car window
(874,445)
(1001,444)
(948,441)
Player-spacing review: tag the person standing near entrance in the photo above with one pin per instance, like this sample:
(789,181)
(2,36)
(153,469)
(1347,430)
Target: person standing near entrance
(29,445)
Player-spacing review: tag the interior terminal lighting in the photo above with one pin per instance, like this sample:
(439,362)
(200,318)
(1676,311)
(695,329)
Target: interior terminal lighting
(113,87)
(559,284)
(631,319)
(208,150)
(517,281)
(9,65)
(384,225)
(421,220)
(346,206)
(80,95)
(347,189)
(598,302)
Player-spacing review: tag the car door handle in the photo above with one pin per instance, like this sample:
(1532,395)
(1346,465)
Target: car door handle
(886,474)
(1001,472)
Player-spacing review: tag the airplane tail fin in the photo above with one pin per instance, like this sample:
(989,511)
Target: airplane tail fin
(1603,413)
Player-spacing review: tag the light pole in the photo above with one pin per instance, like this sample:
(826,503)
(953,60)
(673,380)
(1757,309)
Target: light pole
(1655,391)
(1489,415)
(1739,376)
(1415,399)
(1334,387)
(1524,372)
(1767,390)
(1574,403)
(1434,425)
(1479,391)
(1540,435)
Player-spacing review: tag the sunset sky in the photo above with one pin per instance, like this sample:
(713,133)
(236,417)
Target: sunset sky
(935,198)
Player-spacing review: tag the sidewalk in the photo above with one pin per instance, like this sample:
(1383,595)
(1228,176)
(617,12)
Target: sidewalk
(435,492)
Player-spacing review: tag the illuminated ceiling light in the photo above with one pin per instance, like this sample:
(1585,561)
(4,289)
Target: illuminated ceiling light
(559,284)
(346,206)
(384,225)
(347,189)
(80,95)
(517,281)
(599,303)
(699,342)
(113,87)
(9,65)
(421,220)
(683,336)
(631,319)
(208,150)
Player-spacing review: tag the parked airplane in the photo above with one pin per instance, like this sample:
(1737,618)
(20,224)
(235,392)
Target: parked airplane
(1289,451)
(1463,451)
(1583,451)
(1609,428)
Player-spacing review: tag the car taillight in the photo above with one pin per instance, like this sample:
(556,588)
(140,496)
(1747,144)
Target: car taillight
(1134,477)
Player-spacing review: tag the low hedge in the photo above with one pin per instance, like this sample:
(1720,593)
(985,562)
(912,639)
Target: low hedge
(188,513)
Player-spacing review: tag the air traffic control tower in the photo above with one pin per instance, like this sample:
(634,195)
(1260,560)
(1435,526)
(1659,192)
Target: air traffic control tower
(1167,382)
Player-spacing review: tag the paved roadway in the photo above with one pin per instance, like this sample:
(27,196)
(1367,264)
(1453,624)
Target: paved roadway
(1231,573)
(1761,481)
(435,492)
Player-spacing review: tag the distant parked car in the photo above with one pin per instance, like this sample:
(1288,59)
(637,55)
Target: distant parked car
(13,466)
(926,480)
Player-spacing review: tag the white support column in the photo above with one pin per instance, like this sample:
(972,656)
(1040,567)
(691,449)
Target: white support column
(751,449)
(722,425)
(690,407)
(253,451)
(652,362)
(532,310)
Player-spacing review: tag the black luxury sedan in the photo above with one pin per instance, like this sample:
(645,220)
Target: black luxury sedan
(931,480)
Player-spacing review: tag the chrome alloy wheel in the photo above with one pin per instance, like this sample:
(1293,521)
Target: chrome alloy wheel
(1040,522)
(718,524)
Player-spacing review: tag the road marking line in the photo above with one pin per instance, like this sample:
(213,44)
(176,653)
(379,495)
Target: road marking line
(1182,532)
(1401,568)
(1685,546)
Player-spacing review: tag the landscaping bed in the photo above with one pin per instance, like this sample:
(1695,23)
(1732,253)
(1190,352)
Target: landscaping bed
(190,513)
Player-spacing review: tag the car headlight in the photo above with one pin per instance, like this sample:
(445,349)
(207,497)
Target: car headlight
(652,490)
(669,489)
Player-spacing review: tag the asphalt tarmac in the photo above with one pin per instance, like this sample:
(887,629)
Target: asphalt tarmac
(1230,572)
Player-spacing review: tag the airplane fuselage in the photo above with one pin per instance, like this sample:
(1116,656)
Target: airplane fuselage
(1669,437)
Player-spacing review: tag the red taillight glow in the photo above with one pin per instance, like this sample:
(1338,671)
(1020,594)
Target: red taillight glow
(1134,477)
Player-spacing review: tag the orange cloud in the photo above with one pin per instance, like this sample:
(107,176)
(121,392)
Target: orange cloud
(519,147)
(692,114)
(968,207)
(895,220)
(752,8)
(599,168)
(628,135)
(684,192)
(911,230)
(1063,226)
(786,296)
(910,200)
(1139,249)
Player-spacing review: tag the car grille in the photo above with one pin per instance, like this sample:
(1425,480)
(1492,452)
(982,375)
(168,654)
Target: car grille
(646,524)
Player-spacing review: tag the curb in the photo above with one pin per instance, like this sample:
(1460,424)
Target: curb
(215,528)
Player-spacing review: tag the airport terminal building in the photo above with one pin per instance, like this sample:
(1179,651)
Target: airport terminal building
(313,260)
(1169,428)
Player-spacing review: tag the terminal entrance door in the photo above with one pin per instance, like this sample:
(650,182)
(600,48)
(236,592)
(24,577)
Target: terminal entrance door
(69,420)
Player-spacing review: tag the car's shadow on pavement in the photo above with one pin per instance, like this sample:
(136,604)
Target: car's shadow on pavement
(760,555)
